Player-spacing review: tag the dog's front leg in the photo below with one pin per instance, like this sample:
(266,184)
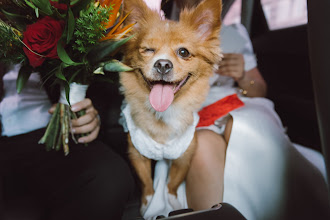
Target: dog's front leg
(142,167)
(178,173)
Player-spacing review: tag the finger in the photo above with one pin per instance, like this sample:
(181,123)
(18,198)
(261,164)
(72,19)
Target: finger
(234,73)
(233,56)
(86,128)
(91,109)
(91,137)
(227,73)
(225,65)
(84,119)
(222,71)
(229,68)
(230,62)
(84,104)
(239,63)
(52,109)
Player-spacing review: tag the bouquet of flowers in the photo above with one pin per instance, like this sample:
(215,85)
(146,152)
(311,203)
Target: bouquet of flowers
(74,40)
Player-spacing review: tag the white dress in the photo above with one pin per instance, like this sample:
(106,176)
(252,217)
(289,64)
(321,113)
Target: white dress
(266,176)
(17,108)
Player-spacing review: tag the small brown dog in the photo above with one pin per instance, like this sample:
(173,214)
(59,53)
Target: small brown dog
(172,63)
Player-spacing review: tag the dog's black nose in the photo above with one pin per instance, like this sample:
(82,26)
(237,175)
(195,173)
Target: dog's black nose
(163,66)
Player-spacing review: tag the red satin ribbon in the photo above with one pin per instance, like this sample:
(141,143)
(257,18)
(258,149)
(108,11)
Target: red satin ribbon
(209,114)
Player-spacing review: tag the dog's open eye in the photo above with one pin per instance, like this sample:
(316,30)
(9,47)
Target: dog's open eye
(183,52)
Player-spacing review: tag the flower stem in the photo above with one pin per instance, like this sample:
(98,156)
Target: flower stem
(48,137)
(64,131)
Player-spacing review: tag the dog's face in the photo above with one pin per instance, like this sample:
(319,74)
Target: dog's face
(171,59)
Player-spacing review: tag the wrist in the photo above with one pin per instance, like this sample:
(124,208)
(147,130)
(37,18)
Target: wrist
(242,78)
(245,91)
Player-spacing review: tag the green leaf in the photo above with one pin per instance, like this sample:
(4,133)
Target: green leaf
(80,5)
(60,75)
(67,92)
(30,4)
(43,5)
(73,2)
(104,49)
(59,15)
(36,10)
(19,3)
(74,75)
(71,24)
(59,72)
(23,76)
(62,54)
(116,66)
(99,71)
(19,20)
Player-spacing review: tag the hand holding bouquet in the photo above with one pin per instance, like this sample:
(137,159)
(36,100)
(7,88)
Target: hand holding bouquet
(67,41)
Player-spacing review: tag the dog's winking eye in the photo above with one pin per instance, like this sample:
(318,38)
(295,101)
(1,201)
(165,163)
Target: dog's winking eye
(183,52)
(146,50)
(149,50)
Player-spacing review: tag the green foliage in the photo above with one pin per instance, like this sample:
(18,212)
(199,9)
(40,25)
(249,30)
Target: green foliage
(23,77)
(116,66)
(62,54)
(20,21)
(20,3)
(90,27)
(11,50)
(79,5)
(99,52)
(42,5)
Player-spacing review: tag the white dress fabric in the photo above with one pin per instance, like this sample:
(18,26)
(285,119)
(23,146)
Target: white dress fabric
(266,176)
(16,119)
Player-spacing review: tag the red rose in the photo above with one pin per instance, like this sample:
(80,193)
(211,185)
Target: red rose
(42,37)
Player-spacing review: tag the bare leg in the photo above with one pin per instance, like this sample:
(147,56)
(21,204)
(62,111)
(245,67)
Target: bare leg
(228,128)
(204,183)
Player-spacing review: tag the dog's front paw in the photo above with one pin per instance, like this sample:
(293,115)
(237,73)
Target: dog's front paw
(145,204)
(174,202)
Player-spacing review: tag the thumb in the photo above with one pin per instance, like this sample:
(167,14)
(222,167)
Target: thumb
(52,109)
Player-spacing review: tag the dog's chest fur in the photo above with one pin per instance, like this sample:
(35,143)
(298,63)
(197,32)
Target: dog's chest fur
(163,126)
(176,143)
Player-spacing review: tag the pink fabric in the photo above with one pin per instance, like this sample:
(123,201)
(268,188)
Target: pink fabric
(156,6)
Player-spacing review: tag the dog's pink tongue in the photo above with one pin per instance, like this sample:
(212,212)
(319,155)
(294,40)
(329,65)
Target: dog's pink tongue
(161,97)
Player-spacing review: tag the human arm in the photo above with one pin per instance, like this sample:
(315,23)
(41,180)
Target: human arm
(250,82)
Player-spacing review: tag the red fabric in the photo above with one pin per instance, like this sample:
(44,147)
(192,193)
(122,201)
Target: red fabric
(209,114)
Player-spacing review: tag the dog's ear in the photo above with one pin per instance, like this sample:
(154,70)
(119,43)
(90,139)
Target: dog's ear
(205,18)
(140,13)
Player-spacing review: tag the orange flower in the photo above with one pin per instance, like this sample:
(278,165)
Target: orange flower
(114,13)
(116,32)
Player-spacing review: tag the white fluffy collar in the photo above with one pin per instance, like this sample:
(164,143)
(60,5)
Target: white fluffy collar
(149,148)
